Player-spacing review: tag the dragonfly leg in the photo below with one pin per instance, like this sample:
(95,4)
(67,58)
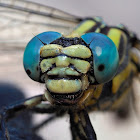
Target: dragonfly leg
(81,126)
(10,111)
(45,108)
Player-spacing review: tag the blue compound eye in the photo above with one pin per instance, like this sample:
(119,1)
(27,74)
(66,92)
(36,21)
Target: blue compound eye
(31,58)
(105,56)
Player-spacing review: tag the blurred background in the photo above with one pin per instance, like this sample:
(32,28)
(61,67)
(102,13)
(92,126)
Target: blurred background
(126,12)
(106,125)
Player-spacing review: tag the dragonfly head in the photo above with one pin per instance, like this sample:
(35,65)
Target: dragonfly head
(68,66)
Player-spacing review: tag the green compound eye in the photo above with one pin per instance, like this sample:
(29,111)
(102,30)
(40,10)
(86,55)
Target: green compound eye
(105,56)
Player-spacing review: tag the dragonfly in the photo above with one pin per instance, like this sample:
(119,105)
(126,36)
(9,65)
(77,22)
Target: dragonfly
(85,64)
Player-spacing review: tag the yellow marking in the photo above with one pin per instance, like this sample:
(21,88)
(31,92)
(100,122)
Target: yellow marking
(64,86)
(86,95)
(62,61)
(115,35)
(98,30)
(82,28)
(98,91)
(91,93)
(32,102)
(50,50)
(70,71)
(134,68)
(49,97)
(81,65)
(63,71)
(91,102)
(46,64)
(80,51)
(119,79)
(103,25)
(85,82)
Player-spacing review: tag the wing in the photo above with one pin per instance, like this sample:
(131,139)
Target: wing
(21,20)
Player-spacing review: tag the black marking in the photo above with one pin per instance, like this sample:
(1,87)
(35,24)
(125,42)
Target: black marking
(124,29)
(66,96)
(11,110)
(107,91)
(122,47)
(72,66)
(65,42)
(125,62)
(124,112)
(66,77)
(17,108)
(105,30)
(90,76)
(76,126)
(136,64)
(37,68)
(87,126)
(74,93)
(101,67)
(76,41)
(95,27)
(134,40)
(28,71)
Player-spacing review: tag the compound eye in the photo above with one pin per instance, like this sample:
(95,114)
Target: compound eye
(31,58)
(105,56)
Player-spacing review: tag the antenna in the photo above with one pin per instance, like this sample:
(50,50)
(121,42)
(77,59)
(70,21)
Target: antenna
(39,40)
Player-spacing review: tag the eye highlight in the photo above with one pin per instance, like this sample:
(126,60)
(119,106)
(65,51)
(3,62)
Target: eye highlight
(105,56)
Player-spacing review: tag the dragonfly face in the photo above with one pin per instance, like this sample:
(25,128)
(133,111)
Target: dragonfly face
(68,66)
